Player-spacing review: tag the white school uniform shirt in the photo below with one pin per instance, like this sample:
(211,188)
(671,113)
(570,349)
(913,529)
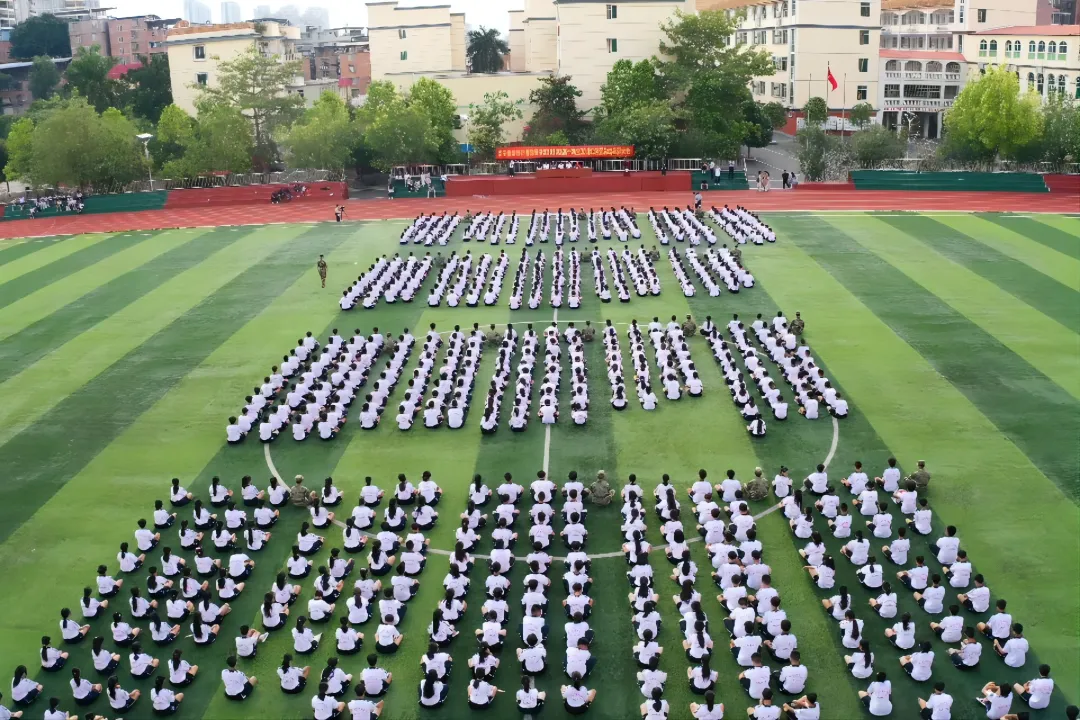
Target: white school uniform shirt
(234,681)
(1041,688)
(880,698)
(793,678)
(139,662)
(704,713)
(980,598)
(161,699)
(960,574)
(871,575)
(842,526)
(759,680)
(118,701)
(921,664)
(971,653)
(997,706)
(766,712)
(862,669)
(933,599)
(179,674)
(952,628)
(1015,651)
(940,706)
(922,521)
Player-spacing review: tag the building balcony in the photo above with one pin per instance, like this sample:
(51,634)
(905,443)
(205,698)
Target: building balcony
(917,104)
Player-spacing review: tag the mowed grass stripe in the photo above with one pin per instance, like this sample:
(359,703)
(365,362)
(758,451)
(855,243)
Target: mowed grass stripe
(46,250)
(983,482)
(14,249)
(43,321)
(1022,402)
(1048,296)
(1068,223)
(38,388)
(63,267)
(1054,232)
(89,418)
(180,435)
(1036,338)
(1053,264)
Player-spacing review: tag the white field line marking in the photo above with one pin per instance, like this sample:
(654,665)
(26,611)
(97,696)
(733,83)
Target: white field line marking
(547,450)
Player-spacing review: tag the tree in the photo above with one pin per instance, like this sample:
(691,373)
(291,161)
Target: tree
(711,76)
(759,128)
(149,88)
(555,100)
(817,112)
(486,122)
(40,35)
(437,103)
(255,85)
(862,114)
(630,84)
(88,74)
(1061,131)
(776,113)
(402,135)
(990,113)
(220,139)
(3,164)
(20,149)
(174,132)
(485,50)
(44,77)
(648,126)
(814,145)
(875,145)
(324,137)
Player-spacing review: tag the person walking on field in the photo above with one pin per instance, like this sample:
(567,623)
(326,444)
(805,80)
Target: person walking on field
(322,266)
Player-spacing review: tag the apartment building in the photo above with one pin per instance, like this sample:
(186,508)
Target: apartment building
(342,54)
(807,39)
(1046,58)
(197,51)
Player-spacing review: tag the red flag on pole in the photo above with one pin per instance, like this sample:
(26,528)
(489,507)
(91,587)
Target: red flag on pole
(832,80)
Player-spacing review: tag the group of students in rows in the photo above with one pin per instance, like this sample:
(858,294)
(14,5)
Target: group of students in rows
(811,387)
(525,280)
(736,381)
(484,224)
(453,381)
(392,279)
(453,279)
(742,225)
(430,230)
(616,373)
(680,224)
(671,352)
(719,264)
(313,388)
(928,590)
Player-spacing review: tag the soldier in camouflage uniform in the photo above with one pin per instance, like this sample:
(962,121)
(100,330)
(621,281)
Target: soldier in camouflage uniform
(689,327)
(600,492)
(736,253)
(588,333)
(493,336)
(797,325)
(758,488)
(440,261)
(921,477)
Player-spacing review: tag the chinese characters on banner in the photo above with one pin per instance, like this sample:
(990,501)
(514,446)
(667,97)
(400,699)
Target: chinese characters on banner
(564,152)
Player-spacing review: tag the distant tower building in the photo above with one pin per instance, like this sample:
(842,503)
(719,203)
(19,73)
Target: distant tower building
(230,12)
(195,12)
(262,11)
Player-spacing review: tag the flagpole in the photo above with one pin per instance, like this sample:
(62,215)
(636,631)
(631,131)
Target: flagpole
(843,112)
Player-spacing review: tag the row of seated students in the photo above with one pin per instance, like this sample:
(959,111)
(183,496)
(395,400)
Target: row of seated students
(526,280)
(806,379)
(311,391)
(678,374)
(391,280)
(639,359)
(455,379)
(928,589)
(736,382)
(681,275)
(452,280)
(430,230)
(742,226)
(680,224)
(719,264)
(641,271)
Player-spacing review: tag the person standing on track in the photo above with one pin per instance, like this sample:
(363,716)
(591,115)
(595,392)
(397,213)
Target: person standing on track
(339,212)
(321,265)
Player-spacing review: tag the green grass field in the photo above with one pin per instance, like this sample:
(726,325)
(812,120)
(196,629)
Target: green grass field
(954,336)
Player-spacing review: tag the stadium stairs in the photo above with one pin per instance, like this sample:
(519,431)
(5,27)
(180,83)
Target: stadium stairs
(948,181)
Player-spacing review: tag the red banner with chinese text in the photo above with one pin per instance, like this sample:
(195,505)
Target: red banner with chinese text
(564,152)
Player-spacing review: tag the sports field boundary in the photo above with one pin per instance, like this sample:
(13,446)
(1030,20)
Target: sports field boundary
(403,209)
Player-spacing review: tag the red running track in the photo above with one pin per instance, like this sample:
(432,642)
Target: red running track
(779,200)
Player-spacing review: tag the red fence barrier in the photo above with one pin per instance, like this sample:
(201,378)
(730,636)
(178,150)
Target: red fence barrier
(599,183)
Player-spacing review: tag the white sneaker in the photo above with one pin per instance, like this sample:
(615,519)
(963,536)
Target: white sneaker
(264,637)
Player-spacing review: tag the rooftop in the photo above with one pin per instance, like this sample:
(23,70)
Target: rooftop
(1054,30)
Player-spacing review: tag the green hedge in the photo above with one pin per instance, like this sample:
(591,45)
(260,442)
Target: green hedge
(738,183)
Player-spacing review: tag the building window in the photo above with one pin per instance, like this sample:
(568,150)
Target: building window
(1078,88)
(982,48)
(892,91)
(1061,84)
(134,47)
(200,52)
(1031,82)
(404,55)
(930,92)
(960,43)
(993,48)
(864,64)
(860,92)
(1039,83)
(401,33)
(612,12)
(864,37)
(864,9)
(202,78)
(1063,50)
(612,45)
(951,91)
(982,15)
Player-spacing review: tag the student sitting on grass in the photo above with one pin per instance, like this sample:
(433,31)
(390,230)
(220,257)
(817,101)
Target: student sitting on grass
(238,686)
